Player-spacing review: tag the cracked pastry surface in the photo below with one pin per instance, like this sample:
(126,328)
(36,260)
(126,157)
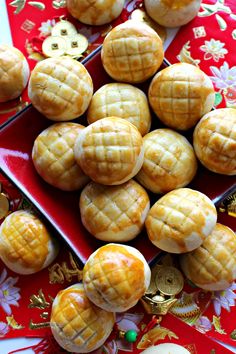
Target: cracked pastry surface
(77,324)
(94,12)
(212,266)
(53,156)
(181,220)
(114,213)
(180,95)
(132,52)
(14,72)
(123,101)
(60,88)
(110,151)
(169,161)
(214,141)
(26,246)
(110,277)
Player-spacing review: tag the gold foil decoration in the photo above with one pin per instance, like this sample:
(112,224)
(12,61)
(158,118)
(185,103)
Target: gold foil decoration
(39,301)
(61,273)
(233,334)
(166,282)
(229,205)
(141,15)
(27,26)
(39,325)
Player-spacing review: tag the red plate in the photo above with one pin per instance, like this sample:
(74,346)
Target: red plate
(61,208)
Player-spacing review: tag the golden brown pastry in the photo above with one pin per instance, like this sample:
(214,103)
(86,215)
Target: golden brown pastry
(166,348)
(77,324)
(212,266)
(110,151)
(169,161)
(95,12)
(26,246)
(181,220)
(132,52)
(172,13)
(115,277)
(114,213)
(123,101)
(14,72)
(53,156)
(180,95)
(60,88)
(214,141)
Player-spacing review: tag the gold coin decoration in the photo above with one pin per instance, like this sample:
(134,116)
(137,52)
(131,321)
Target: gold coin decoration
(65,40)
(4,205)
(169,281)
(140,15)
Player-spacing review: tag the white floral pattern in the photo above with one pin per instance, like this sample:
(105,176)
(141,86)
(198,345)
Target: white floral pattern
(214,50)
(224,77)
(46,28)
(9,295)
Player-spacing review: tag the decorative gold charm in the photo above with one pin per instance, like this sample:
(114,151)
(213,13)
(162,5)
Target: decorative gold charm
(166,282)
(54,46)
(229,205)
(63,29)
(4,205)
(38,301)
(76,45)
(61,273)
(141,15)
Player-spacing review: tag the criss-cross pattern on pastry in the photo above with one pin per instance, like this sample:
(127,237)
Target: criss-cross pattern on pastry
(27,241)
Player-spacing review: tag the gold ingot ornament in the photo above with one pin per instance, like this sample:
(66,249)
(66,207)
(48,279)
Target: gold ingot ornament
(166,283)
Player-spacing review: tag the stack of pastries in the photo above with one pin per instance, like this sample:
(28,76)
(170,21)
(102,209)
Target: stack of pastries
(117,162)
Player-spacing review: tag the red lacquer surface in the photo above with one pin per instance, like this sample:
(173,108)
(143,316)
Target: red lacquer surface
(61,208)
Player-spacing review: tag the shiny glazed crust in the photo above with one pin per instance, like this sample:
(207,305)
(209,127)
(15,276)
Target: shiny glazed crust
(26,247)
(95,12)
(180,95)
(213,265)
(115,277)
(181,220)
(60,88)
(14,73)
(214,141)
(123,101)
(114,213)
(77,324)
(169,161)
(172,13)
(110,151)
(132,52)
(53,156)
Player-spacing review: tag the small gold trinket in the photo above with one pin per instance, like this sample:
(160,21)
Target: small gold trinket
(63,29)
(76,45)
(54,46)
(4,205)
(229,205)
(140,15)
(166,282)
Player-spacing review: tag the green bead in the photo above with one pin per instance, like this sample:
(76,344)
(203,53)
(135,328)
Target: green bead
(131,336)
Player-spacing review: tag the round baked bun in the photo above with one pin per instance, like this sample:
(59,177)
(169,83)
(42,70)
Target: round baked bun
(53,156)
(132,52)
(166,348)
(60,88)
(172,13)
(214,141)
(212,266)
(26,246)
(96,12)
(114,213)
(169,161)
(14,72)
(110,151)
(180,95)
(77,324)
(123,101)
(115,277)
(181,220)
